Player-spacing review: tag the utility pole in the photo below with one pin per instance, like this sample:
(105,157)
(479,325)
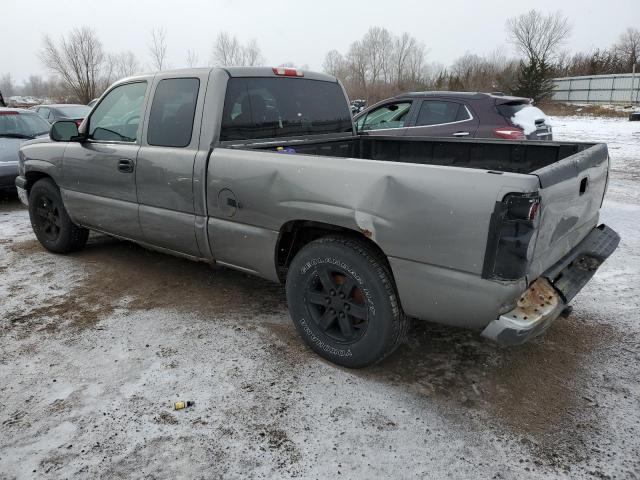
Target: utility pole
(633,82)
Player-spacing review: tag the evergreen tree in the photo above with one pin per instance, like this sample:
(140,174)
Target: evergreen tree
(534,80)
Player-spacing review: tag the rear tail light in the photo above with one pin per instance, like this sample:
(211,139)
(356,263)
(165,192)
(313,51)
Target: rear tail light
(8,113)
(511,239)
(509,133)
(288,72)
(522,207)
(78,122)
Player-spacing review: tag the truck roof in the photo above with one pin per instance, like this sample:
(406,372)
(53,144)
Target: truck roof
(232,72)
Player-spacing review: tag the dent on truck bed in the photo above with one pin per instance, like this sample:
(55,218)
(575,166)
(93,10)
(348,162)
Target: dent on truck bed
(428,222)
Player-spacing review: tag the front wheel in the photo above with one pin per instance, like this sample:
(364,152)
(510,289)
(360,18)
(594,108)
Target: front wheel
(50,221)
(343,303)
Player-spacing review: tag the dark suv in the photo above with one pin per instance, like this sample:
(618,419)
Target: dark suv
(455,114)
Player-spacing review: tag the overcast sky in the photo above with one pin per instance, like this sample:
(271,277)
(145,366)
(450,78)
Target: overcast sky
(298,31)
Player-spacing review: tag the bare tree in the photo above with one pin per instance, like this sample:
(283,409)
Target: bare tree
(538,37)
(335,64)
(228,51)
(192,58)
(7,86)
(78,60)
(35,86)
(158,48)
(628,47)
(252,56)
(379,65)
(124,64)
(403,45)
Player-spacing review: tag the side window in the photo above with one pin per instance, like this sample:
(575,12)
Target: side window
(436,112)
(43,112)
(392,115)
(172,112)
(118,115)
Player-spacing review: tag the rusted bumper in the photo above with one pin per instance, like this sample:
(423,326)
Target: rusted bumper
(548,296)
(536,309)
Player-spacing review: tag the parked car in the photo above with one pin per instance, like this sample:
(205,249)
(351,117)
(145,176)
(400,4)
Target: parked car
(16,126)
(456,114)
(53,113)
(261,170)
(357,106)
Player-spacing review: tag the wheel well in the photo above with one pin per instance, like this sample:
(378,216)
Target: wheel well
(297,233)
(33,177)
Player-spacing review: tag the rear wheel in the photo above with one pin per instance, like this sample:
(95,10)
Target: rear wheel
(50,221)
(343,303)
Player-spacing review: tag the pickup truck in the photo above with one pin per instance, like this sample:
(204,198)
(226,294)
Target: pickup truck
(261,170)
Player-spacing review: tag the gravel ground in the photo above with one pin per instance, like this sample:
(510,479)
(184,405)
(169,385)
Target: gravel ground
(96,346)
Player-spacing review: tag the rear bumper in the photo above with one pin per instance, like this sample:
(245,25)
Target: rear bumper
(548,296)
(8,174)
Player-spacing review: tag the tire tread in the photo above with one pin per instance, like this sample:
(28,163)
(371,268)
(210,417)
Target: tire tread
(378,263)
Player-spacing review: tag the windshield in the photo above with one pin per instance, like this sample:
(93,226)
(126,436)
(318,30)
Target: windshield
(74,111)
(22,125)
(283,107)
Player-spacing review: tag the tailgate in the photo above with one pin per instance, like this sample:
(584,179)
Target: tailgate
(571,193)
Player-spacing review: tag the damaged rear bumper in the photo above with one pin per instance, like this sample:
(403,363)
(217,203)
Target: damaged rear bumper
(548,296)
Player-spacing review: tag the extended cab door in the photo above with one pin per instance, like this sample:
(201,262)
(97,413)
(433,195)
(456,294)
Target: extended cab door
(166,162)
(443,118)
(99,173)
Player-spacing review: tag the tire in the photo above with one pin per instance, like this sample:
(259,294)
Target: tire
(343,303)
(50,221)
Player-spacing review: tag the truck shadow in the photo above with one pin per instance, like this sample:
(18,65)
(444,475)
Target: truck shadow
(543,391)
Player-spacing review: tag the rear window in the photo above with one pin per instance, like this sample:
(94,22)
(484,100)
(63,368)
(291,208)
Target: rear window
(436,112)
(257,108)
(22,124)
(508,110)
(74,111)
(172,112)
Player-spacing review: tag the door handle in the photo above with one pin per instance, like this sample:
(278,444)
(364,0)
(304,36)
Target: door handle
(460,134)
(125,165)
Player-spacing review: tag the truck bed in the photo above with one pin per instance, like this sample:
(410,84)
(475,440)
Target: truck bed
(446,216)
(495,155)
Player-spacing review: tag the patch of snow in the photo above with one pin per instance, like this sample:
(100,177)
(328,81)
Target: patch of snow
(526,118)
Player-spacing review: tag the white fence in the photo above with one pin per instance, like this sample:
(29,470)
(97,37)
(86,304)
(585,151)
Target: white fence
(622,88)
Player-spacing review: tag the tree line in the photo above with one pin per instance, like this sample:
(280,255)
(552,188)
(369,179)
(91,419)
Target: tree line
(81,69)
(379,65)
(382,64)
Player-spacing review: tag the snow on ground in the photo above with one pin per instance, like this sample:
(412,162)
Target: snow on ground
(95,347)
(623,140)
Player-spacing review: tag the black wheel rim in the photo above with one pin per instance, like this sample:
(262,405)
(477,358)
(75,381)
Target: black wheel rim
(47,217)
(336,305)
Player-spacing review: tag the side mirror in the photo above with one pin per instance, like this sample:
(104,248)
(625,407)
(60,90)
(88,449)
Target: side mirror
(64,131)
